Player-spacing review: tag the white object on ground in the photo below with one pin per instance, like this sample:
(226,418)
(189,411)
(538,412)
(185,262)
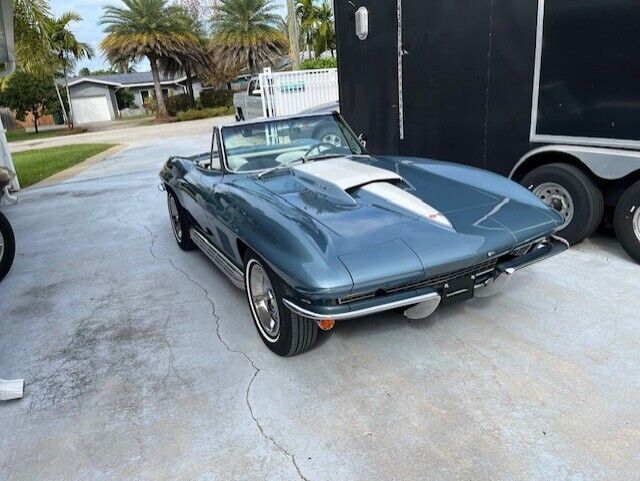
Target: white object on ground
(11,389)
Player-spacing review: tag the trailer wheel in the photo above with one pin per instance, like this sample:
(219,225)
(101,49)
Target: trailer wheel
(626,221)
(568,190)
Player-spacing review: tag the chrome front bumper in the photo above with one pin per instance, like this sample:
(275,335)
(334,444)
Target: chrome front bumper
(422,303)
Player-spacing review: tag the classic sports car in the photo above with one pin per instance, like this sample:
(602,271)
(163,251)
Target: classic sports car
(318,232)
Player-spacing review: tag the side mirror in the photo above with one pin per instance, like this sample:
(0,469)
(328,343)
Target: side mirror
(257,92)
(363,139)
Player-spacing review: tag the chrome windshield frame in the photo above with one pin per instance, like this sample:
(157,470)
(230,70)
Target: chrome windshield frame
(342,124)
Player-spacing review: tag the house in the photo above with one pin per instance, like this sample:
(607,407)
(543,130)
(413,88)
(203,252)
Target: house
(94,98)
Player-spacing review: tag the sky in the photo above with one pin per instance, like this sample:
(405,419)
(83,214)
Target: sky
(90,32)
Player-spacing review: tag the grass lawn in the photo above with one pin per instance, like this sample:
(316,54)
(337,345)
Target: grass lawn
(15,135)
(35,165)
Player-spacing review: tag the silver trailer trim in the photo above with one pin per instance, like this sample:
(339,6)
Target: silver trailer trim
(561,139)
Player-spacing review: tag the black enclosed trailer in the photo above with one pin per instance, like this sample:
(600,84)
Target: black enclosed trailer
(546,91)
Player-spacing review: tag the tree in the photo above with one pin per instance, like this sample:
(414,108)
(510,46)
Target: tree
(317,26)
(147,28)
(324,37)
(125,98)
(31,18)
(245,33)
(84,72)
(29,93)
(307,12)
(189,62)
(67,48)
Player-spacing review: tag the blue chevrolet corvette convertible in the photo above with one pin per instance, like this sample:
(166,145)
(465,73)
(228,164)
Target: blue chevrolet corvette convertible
(316,230)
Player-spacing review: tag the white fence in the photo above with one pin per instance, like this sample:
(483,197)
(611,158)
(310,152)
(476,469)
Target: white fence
(289,93)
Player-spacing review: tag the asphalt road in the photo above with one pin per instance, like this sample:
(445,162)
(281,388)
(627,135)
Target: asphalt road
(142,362)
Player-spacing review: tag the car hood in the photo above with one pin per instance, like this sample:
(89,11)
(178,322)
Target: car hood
(401,218)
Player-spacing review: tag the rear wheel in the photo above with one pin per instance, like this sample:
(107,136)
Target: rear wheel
(626,221)
(180,223)
(573,194)
(282,331)
(7,246)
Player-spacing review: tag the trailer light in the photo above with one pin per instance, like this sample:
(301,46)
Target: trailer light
(362,23)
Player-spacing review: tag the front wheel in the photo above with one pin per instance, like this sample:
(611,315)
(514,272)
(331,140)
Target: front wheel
(626,221)
(180,223)
(7,246)
(282,331)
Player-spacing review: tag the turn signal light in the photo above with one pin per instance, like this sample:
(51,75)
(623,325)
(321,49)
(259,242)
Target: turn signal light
(326,324)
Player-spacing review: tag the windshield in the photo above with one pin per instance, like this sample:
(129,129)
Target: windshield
(269,144)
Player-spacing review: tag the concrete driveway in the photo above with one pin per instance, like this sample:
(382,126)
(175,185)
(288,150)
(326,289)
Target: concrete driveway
(125,132)
(142,362)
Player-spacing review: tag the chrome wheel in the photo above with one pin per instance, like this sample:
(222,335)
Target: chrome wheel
(333,139)
(262,300)
(558,198)
(175,218)
(636,223)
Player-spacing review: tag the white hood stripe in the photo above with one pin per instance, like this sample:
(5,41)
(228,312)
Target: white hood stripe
(346,174)
(406,200)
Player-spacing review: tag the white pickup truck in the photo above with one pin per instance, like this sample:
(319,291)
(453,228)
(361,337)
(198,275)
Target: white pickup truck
(248,105)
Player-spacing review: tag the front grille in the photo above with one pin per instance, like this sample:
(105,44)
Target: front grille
(433,281)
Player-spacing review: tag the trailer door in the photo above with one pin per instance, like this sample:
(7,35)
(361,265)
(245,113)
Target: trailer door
(445,73)
(369,91)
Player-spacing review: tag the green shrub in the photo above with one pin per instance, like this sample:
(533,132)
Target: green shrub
(216,98)
(316,63)
(203,114)
(150,104)
(177,103)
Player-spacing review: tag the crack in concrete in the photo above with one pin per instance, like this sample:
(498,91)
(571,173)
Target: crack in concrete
(256,369)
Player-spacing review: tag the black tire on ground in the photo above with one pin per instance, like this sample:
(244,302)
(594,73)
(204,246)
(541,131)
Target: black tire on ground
(296,334)
(9,246)
(180,223)
(588,203)
(626,217)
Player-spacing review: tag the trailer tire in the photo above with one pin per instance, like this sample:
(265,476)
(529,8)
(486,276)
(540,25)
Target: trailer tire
(570,191)
(626,221)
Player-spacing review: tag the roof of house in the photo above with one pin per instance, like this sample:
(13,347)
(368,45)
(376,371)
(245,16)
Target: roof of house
(127,79)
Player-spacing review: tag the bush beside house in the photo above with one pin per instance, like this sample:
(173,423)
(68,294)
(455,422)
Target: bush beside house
(216,98)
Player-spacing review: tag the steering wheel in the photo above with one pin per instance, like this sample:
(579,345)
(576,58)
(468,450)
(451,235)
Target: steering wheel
(317,146)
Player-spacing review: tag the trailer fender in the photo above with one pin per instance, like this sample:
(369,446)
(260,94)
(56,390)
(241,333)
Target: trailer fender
(608,164)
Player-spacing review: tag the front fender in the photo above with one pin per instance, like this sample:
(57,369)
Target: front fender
(296,247)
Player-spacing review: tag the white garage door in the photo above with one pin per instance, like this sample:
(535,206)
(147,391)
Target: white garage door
(90,109)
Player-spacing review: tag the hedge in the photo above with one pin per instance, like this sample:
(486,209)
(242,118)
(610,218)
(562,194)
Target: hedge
(216,98)
(203,113)
(177,103)
(317,63)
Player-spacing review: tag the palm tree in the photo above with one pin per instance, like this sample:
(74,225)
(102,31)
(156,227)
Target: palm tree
(147,28)
(31,18)
(188,62)
(68,50)
(307,12)
(324,31)
(245,33)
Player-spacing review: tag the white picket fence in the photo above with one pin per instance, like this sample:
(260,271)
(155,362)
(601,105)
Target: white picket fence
(289,93)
